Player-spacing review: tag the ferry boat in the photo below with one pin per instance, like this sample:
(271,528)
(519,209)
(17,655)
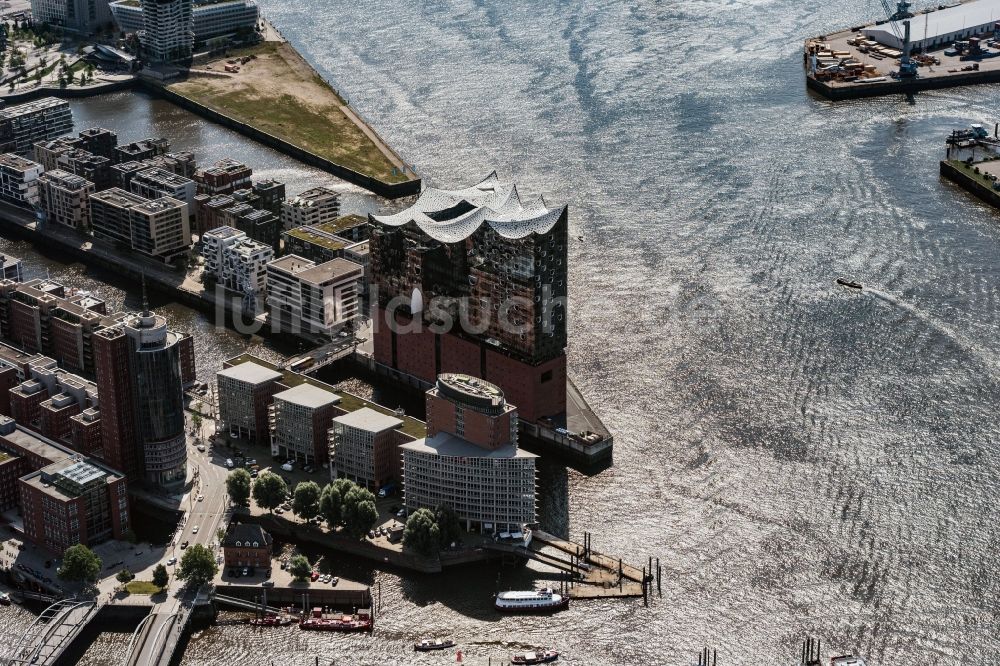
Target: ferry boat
(318,622)
(531,601)
(542,657)
(271,621)
(430,644)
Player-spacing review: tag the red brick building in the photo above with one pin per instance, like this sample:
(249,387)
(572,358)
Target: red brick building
(85,432)
(474,281)
(247,545)
(472,409)
(56,413)
(76,500)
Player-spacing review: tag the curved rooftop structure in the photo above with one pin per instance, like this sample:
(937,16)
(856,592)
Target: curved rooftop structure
(450,216)
(470,390)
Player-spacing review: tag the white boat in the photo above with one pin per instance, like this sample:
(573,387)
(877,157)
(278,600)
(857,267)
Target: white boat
(531,601)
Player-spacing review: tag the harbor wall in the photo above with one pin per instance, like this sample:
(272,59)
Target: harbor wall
(861,90)
(279,597)
(970,184)
(381,188)
(68,93)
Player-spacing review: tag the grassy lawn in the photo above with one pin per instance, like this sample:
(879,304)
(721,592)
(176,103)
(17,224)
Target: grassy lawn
(279,94)
(142,587)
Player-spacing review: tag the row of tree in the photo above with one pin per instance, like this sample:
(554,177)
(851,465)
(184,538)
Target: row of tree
(341,503)
(428,531)
(81,564)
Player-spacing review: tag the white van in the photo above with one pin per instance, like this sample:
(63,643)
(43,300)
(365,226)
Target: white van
(229,463)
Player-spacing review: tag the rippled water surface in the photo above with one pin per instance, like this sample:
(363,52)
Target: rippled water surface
(804,459)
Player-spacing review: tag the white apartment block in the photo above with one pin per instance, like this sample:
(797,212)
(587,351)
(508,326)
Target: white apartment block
(65,199)
(304,297)
(311,207)
(167,30)
(19,179)
(161,228)
(236,261)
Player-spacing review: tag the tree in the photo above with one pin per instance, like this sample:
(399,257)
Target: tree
(329,505)
(299,567)
(160,576)
(80,564)
(448,523)
(305,500)
(38,77)
(125,576)
(238,486)
(359,511)
(196,421)
(198,565)
(269,491)
(422,533)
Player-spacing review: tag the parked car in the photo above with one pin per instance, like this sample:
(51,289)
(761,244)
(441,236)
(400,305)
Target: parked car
(172,560)
(267,583)
(315,575)
(201,498)
(194,530)
(201,447)
(287,467)
(229,463)
(334,581)
(184,545)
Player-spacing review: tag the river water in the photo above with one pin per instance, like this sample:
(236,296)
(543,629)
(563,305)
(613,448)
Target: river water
(804,459)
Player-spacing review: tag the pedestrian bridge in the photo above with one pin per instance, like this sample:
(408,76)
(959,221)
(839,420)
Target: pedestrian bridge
(45,639)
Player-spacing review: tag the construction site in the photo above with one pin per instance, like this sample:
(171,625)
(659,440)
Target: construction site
(907,52)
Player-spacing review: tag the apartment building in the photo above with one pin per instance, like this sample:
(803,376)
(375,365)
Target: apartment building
(19,179)
(304,297)
(167,30)
(271,194)
(23,125)
(161,229)
(300,422)
(157,182)
(236,261)
(224,177)
(111,215)
(314,206)
(64,199)
(138,151)
(364,447)
(246,391)
(209,18)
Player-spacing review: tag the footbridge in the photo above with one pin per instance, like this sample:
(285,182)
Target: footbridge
(54,629)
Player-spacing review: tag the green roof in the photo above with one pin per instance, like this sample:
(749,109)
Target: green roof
(318,234)
(348,401)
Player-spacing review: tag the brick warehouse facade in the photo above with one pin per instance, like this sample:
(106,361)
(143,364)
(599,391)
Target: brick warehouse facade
(484,257)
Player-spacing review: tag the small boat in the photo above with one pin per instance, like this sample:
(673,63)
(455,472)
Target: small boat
(271,621)
(848,283)
(531,601)
(4,599)
(538,657)
(430,644)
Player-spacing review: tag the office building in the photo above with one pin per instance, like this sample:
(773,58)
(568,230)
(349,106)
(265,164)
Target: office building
(157,182)
(19,179)
(225,177)
(236,261)
(312,299)
(167,30)
(470,460)
(139,371)
(246,391)
(210,18)
(64,198)
(74,501)
(505,262)
(38,316)
(300,424)
(83,17)
(314,206)
(364,447)
(23,125)
(247,545)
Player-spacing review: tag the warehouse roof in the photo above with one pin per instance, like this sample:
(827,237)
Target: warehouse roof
(944,21)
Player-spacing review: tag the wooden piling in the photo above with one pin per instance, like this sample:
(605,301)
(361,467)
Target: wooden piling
(659,590)
(645,596)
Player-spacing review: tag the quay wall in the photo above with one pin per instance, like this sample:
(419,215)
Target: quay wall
(970,184)
(68,93)
(279,597)
(861,90)
(381,188)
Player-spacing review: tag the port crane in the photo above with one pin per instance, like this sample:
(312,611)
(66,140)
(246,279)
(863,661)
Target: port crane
(902,14)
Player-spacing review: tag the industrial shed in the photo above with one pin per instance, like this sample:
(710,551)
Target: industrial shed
(941,27)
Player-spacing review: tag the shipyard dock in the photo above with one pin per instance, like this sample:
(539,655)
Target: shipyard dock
(948,47)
